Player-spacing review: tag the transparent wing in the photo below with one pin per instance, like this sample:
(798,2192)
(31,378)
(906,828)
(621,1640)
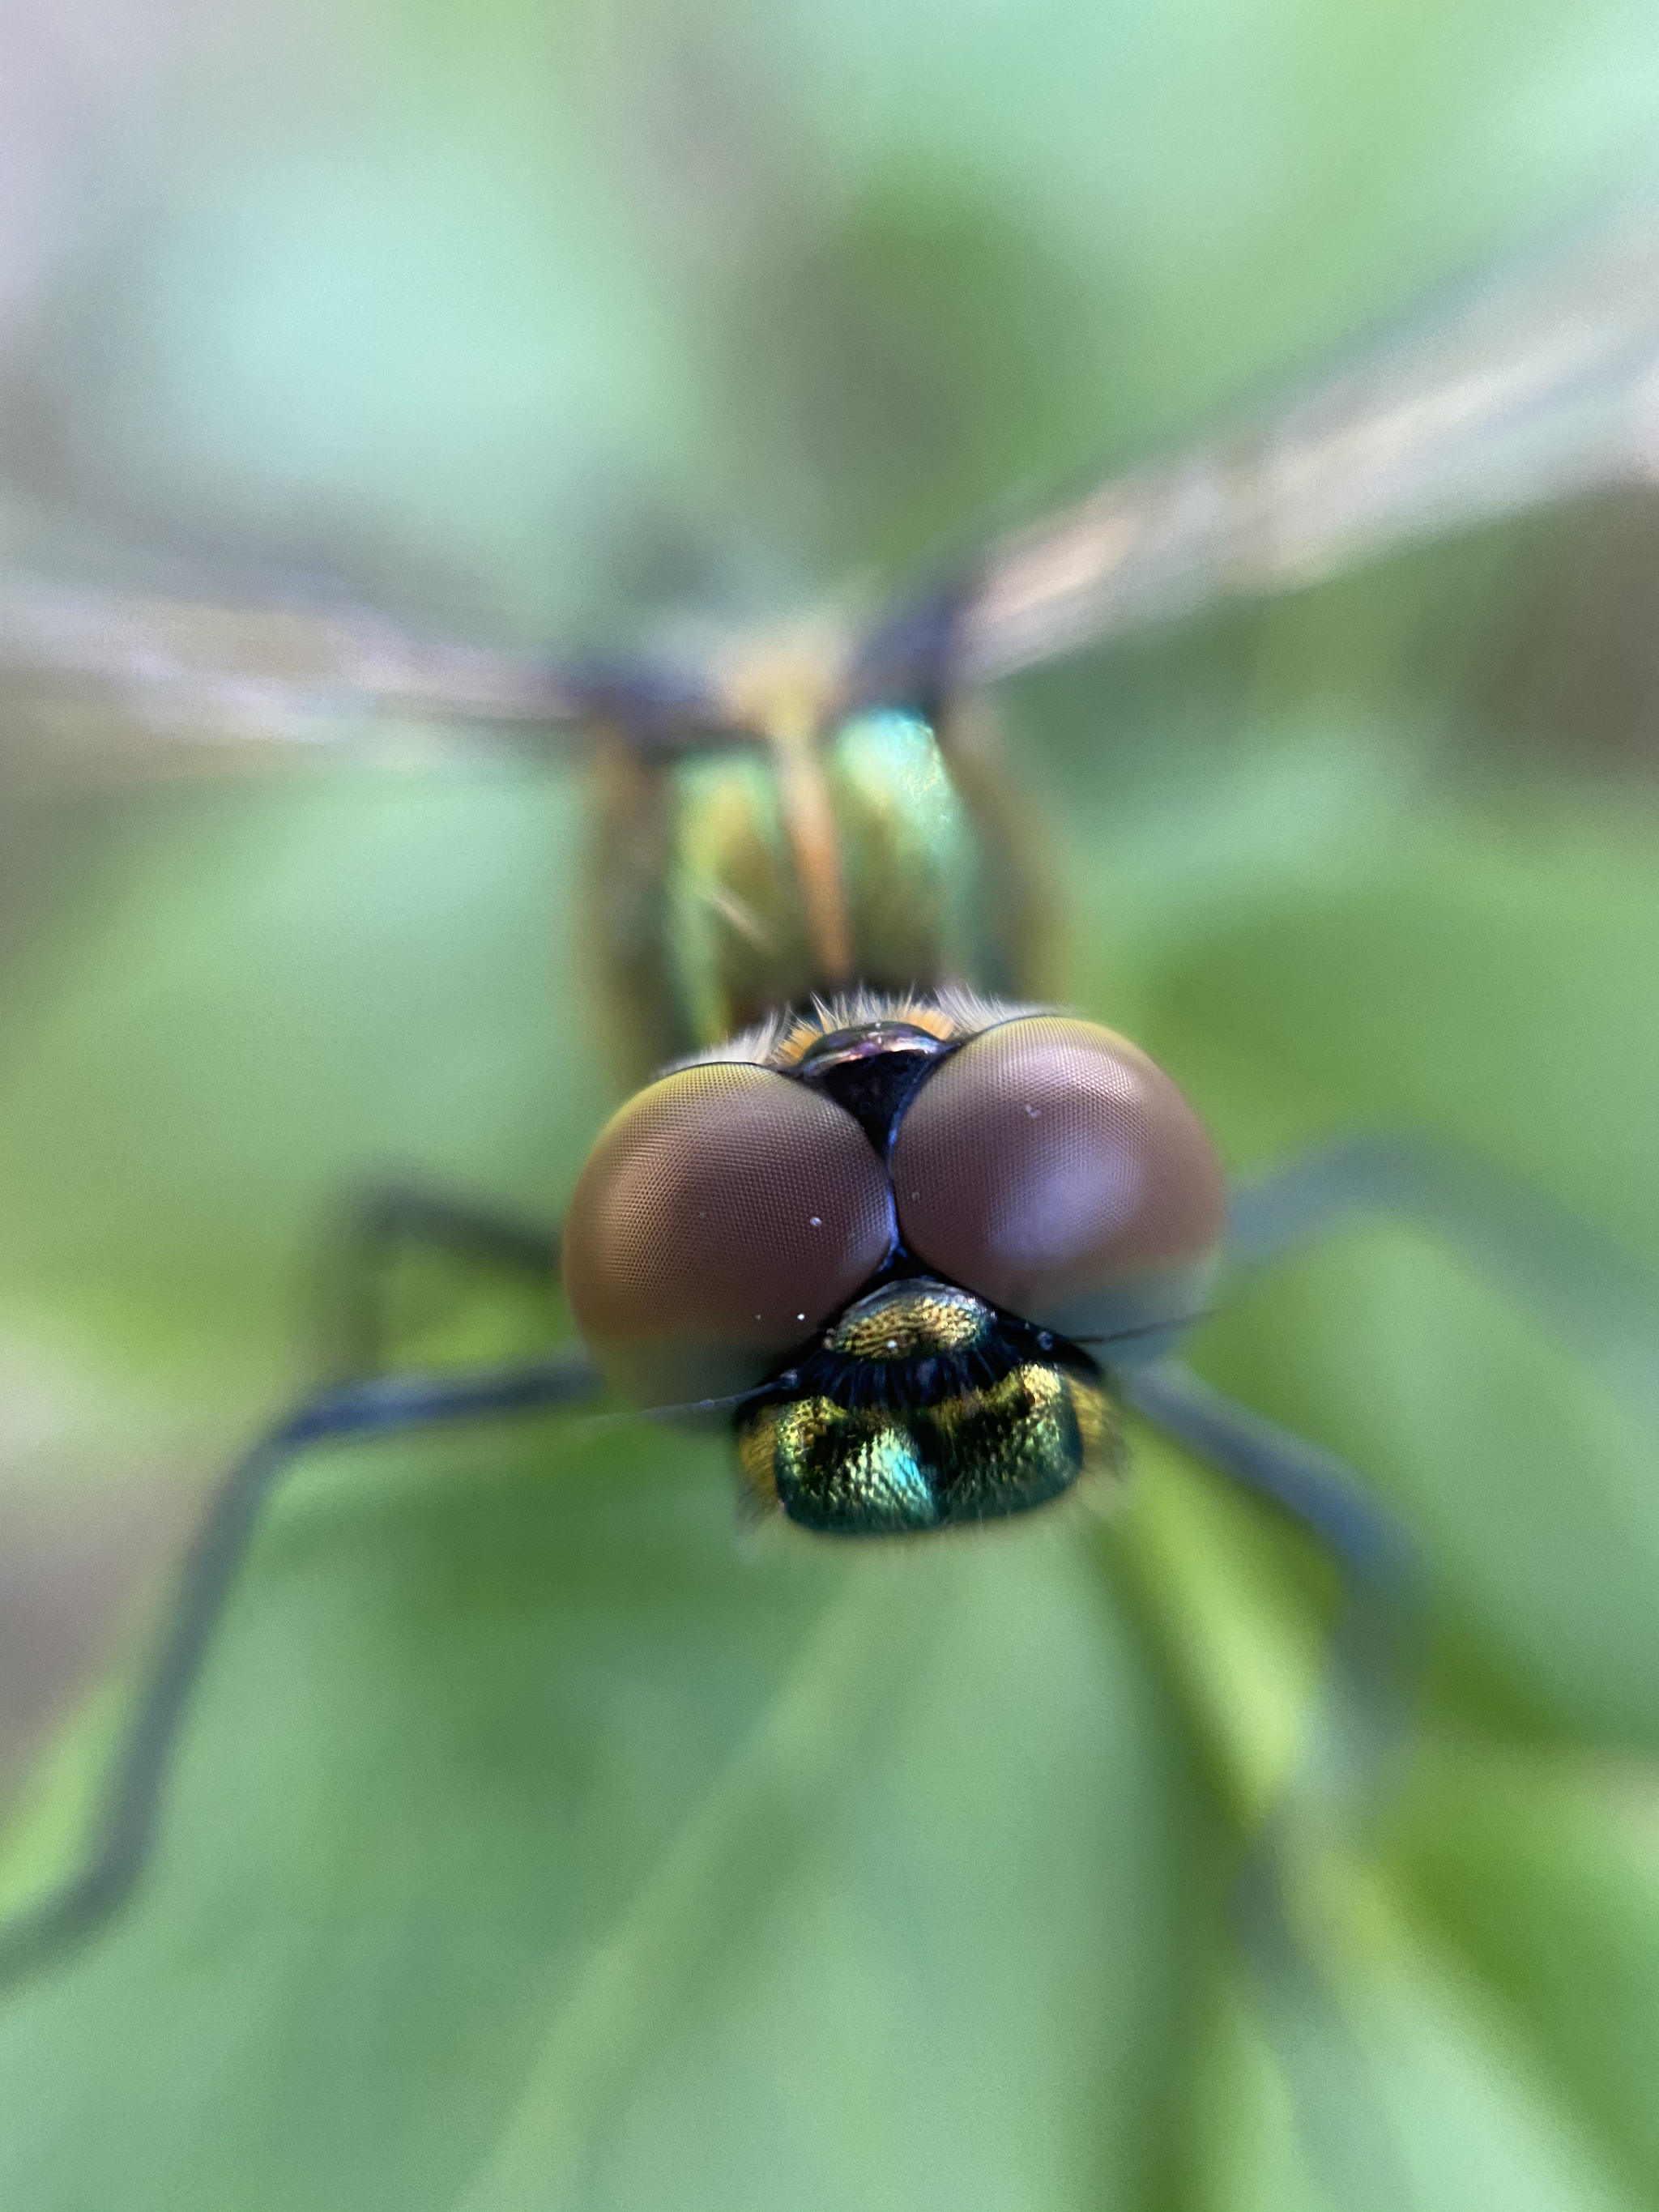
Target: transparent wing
(1531,386)
(283,658)
(178,675)
(99,682)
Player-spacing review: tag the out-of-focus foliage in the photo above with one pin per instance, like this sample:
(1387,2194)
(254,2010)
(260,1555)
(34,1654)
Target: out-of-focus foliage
(536,1841)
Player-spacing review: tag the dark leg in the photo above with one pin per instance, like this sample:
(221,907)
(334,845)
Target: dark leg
(1603,1303)
(126,1824)
(1600,1300)
(387,1225)
(1373,1635)
(1596,1296)
(1358,1725)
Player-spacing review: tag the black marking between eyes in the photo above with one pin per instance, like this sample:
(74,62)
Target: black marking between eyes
(873,1073)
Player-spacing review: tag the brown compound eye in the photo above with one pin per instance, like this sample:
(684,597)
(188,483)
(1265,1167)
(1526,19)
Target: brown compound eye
(724,1215)
(1053,1169)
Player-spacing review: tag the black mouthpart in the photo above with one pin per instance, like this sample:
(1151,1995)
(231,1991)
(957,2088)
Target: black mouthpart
(929,1379)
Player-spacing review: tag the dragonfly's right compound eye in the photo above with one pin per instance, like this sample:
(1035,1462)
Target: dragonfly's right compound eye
(724,1215)
(1051,1168)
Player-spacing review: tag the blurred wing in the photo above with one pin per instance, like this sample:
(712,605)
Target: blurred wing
(178,674)
(1532,388)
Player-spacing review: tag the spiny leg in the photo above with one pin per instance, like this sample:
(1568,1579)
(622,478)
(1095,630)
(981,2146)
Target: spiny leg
(126,1823)
(1359,1723)
(1599,1300)
(393,1219)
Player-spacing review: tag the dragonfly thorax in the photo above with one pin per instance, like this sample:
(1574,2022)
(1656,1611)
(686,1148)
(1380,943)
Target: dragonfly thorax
(743,873)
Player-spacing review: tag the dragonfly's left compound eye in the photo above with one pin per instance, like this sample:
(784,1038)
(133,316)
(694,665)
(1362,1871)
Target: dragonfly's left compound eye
(724,1215)
(1053,1169)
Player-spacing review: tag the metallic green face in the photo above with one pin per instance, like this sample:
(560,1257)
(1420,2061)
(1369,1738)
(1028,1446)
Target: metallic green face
(921,1410)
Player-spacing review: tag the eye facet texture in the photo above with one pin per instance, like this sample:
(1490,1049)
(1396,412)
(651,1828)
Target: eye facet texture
(1054,1169)
(725,1214)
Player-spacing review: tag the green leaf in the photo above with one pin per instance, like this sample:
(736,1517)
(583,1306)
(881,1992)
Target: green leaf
(526,1820)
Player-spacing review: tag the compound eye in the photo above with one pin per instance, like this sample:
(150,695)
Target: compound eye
(725,1214)
(1053,1169)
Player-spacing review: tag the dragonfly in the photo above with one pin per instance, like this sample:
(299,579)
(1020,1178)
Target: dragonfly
(916,1240)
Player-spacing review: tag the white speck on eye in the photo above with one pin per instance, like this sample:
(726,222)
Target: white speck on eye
(800,1316)
(815,1222)
(756,1316)
(892,1343)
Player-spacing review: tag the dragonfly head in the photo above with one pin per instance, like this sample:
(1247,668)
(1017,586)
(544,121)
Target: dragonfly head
(911,1233)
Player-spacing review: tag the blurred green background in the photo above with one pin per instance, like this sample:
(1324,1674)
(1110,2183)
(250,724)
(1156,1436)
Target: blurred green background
(538,1842)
